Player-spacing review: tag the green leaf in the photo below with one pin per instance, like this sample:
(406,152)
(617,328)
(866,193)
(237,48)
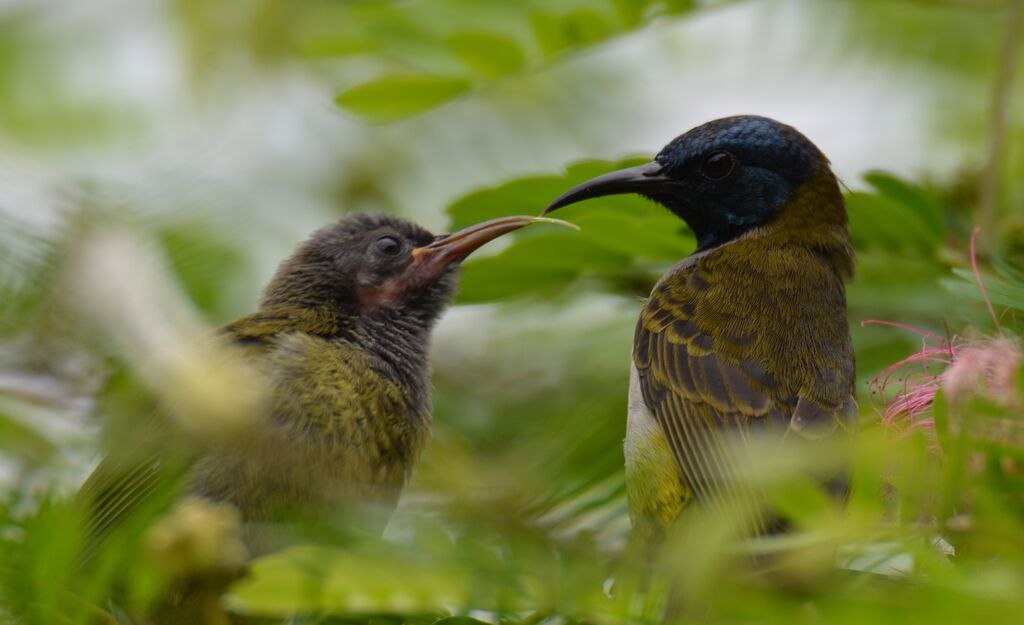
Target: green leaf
(619,239)
(21,441)
(1005,269)
(529,195)
(547,30)
(911,196)
(494,279)
(29,265)
(555,33)
(554,250)
(634,227)
(631,12)
(490,55)
(204,262)
(400,96)
(524,196)
(333,47)
(309,580)
(897,216)
(802,500)
(1000,292)
(878,220)
(1005,290)
(585,26)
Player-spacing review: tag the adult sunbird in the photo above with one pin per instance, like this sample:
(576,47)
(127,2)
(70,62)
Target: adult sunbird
(340,343)
(746,337)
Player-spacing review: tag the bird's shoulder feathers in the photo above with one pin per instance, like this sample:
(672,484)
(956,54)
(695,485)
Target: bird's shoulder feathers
(739,340)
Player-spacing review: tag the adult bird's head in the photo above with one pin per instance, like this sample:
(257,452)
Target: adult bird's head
(730,176)
(375,264)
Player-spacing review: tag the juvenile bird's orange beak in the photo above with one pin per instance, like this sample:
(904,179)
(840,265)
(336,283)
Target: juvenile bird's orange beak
(451,248)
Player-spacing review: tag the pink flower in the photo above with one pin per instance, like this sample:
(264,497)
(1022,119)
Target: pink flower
(985,366)
(958,366)
(916,379)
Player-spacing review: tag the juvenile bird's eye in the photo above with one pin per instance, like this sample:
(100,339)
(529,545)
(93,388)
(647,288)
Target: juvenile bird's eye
(389,246)
(718,165)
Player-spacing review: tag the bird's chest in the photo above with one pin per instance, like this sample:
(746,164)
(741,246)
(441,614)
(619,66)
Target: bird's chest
(339,432)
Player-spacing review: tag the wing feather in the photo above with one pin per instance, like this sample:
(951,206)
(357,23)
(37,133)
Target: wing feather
(128,483)
(710,395)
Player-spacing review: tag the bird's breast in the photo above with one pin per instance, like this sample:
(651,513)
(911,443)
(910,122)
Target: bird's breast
(340,433)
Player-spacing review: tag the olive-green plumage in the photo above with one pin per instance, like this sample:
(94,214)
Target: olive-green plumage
(749,335)
(348,409)
(348,425)
(339,347)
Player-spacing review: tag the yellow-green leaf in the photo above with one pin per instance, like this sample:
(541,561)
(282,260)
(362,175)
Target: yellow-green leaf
(489,55)
(400,96)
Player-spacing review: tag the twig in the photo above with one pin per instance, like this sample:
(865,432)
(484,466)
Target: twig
(988,202)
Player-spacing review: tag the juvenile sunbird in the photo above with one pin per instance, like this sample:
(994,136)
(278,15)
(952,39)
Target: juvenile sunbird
(748,335)
(340,341)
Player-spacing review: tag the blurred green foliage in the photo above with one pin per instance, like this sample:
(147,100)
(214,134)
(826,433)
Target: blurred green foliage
(517,512)
(458,45)
(622,241)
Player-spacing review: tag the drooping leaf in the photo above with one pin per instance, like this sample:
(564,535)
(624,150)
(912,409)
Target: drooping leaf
(529,195)
(491,279)
(1001,292)
(878,220)
(620,237)
(897,216)
(489,55)
(536,264)
(399,96)
(911,196)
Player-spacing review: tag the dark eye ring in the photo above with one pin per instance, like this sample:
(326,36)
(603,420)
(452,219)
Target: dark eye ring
(718,165)
(387,245)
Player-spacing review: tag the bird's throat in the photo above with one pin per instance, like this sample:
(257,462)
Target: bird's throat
(711,231)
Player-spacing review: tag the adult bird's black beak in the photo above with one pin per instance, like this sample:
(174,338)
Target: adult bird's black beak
(429,261)
(643,179)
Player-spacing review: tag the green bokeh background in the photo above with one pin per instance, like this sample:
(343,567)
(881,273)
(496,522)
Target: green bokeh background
(217,135)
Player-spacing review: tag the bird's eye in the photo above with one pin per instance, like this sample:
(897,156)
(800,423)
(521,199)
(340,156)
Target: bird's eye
(718,165)
(389,246)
